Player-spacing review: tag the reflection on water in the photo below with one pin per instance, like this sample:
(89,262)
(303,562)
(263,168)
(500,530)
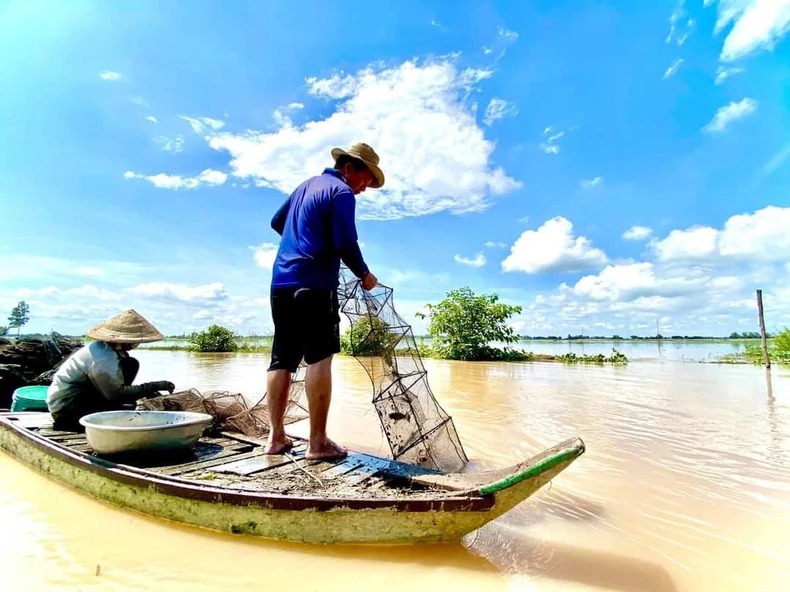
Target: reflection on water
(684,487)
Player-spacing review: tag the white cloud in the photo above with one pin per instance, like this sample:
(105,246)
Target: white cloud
(553,248)
(724,72)
(212,292)
(729,113)
(415,115)
(495,245)
(673,68)
(202,125)
(170,144)
(152,119)
(164,181)
(694,243)
(590,183)
(629,282)
(701,282)
(295,106)
(637,233)
(760,237)
(680,25)
(265,254)
(756,25)
(507,35)
(551,138)
(499,109)
(110,75)
(436,24)
(478,261)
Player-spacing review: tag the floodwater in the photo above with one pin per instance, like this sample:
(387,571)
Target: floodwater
(685,486)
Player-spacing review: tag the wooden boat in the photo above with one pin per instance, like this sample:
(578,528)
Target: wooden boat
(225,483)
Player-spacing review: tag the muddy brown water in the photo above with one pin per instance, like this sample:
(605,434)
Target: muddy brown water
(685,486)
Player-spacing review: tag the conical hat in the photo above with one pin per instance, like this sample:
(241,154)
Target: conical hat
(127,327)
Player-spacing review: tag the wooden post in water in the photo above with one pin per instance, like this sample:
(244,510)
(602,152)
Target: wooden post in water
(766,359)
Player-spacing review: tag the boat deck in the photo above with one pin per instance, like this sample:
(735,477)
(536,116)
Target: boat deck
(236,462)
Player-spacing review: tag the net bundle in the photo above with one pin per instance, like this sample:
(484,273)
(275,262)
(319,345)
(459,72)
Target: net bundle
(230,411)
(417,428)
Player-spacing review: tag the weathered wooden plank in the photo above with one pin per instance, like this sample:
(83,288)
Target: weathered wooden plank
(346,465)
(365,471)
(222,458)
(71,442)
(66,437)
(256,464)
(32,419)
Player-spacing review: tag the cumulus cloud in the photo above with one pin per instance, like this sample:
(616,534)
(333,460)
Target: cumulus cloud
(731,112)
(208,177)
(416,115)
(152,119)
(110,75)
(755,25)
(498,109)
(673,68)
(265,254)
(637,233)
(700,280)
(590,183)
(553,248)
(212,292)
(761,236)
(478,261)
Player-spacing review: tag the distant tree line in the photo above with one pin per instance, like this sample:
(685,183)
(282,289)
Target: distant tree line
(569,337)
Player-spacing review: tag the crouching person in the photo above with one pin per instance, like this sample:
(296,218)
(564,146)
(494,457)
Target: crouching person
(99,376)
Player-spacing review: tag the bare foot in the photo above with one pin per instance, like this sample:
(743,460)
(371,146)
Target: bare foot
(278,445)
(328,450)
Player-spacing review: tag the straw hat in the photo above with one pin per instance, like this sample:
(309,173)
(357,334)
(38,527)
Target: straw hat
(367,155)
(127,327)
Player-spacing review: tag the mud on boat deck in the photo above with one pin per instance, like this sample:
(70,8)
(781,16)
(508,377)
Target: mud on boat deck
(237,462)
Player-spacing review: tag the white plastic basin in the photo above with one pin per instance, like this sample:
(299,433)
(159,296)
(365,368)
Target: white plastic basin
(113,432)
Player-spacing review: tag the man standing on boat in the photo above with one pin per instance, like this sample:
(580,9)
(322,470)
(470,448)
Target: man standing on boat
(318,230)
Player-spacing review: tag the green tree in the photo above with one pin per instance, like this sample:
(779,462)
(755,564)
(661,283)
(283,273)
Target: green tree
(3,330)
(367,336)
(463,324)
(19,316)
(214,339)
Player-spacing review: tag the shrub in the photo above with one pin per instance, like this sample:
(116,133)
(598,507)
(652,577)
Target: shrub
(463,324)
(214,339)
(368,336)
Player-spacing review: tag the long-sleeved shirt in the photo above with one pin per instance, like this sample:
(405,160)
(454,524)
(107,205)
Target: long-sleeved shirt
(98,364)
(318,231)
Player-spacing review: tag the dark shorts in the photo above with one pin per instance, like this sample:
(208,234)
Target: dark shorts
(306,325)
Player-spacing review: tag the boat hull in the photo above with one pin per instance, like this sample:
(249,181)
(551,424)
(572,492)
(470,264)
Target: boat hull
(282,517)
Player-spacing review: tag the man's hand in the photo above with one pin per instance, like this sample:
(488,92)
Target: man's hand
(370,281)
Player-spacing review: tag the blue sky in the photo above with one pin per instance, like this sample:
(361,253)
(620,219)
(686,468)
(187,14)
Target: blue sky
(602,164)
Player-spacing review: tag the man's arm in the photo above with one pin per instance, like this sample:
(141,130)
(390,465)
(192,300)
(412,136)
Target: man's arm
(278,220)
(344,232)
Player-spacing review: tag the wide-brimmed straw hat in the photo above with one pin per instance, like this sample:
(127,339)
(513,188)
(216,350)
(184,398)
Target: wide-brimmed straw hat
(127,327)
(367,155)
